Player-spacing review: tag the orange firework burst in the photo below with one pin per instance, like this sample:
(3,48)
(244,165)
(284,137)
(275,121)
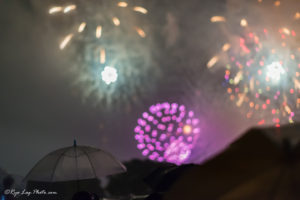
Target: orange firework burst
(262,71)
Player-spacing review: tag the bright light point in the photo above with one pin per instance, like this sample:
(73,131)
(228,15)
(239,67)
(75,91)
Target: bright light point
(64,43)
(140,10)
(98,31)
(226,47)
(109,75)
(297,15)
(187,129)
(123,4)
(275,70)
(238,77)
(241,100)
(212,61)
(217,19)
(287,109)
(102,56)
(140,32)
(81,27)
(69,8)
(244,23)
(116,21)
(277,3)
(286,31)
(297,84)
(55,10)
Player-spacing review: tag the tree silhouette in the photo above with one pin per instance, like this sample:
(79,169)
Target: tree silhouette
(133,182)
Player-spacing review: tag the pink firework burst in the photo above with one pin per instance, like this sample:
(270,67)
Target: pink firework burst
(167,132)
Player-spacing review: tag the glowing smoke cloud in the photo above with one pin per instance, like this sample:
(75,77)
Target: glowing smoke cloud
(134,75)
(168,132)
(262,72)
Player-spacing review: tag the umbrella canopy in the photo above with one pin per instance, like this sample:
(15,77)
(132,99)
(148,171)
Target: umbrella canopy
(253,167)
(75,163)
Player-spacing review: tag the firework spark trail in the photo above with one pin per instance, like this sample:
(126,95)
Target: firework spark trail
(87,8)
(262,69)
(106,8)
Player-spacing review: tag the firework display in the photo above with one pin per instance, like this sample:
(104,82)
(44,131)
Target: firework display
(265,76)
(262,72)
(168,132)
(128,72)
(106,43)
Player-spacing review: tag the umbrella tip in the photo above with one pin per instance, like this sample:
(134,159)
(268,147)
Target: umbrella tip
(75,143)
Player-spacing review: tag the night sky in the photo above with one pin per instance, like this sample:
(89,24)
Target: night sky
(42,111)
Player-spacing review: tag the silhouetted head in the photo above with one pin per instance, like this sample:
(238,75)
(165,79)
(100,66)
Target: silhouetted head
(82,196)
(8,182)
(94,196)
(154,196)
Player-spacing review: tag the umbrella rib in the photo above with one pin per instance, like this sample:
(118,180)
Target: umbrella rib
(55,166)
(29,173)
(90,161)
(113,158)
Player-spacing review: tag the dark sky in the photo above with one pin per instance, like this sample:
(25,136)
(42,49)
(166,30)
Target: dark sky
(41,112)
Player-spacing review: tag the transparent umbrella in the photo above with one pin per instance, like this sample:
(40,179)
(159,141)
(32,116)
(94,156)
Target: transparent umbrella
(75,163)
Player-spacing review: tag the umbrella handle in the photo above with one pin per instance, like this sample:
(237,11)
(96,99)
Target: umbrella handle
(75,143)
